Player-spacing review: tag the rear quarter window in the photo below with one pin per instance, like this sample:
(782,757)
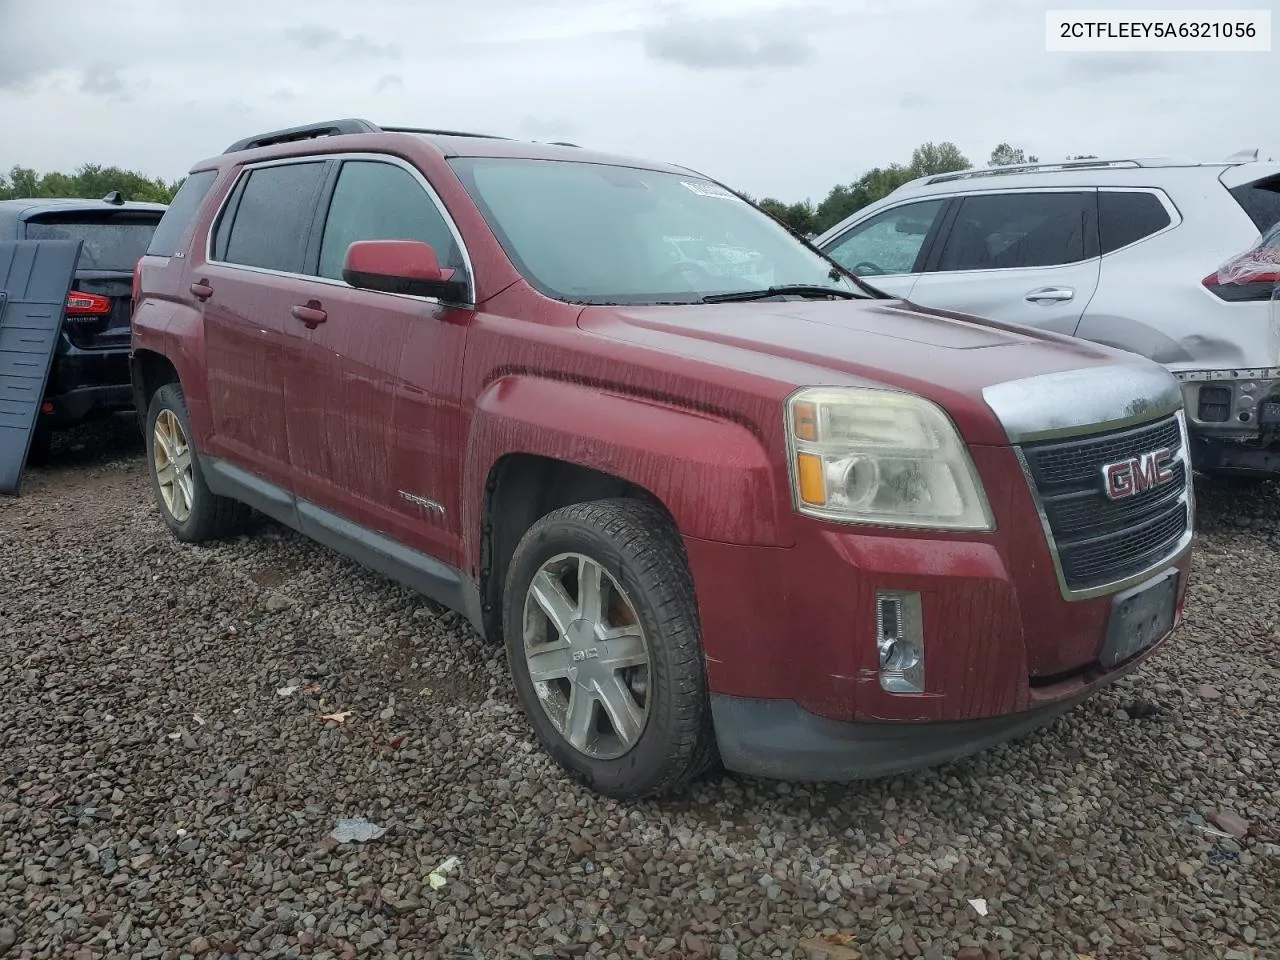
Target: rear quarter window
(183,207)
(1127,217)
(1261,201)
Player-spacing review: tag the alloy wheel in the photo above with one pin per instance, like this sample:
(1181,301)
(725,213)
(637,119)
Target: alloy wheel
(587,656)
(172,458)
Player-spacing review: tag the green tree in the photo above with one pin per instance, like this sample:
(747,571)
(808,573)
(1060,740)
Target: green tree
(92,181)
(1005,155)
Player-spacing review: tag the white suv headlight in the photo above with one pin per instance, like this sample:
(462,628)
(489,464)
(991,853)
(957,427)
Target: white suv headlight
(859,455)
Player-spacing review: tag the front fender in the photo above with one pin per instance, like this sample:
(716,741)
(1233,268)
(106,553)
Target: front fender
(711,473)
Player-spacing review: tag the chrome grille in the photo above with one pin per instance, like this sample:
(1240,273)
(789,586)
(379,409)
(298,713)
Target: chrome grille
(1098,540)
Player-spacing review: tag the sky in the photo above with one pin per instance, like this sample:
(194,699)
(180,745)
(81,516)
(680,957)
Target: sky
(774,98)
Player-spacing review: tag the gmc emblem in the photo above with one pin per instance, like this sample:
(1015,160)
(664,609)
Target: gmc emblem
(1128,478)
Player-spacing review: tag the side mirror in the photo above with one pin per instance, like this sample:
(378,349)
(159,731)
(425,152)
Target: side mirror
(401,266)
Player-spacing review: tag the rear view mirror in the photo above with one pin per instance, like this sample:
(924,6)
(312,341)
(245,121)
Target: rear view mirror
(401,266)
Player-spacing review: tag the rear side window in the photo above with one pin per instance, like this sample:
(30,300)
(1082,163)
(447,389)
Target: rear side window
(111,242)
(1261,201)
(380,201)
(272,217)
(182,208)
(1127,217)
(1011,230)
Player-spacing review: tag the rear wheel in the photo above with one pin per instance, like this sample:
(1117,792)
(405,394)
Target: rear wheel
(192,512)
(603,642)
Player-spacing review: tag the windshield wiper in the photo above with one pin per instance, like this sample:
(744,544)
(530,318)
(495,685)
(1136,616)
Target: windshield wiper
(791,289)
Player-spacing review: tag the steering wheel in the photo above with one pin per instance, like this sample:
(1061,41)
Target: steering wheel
(866,266)
(688,273)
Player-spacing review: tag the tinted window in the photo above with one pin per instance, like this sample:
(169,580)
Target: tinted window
(182,208)
(115,242)
(378,201)
(1006,231)
(1261,201)
(889,242)
(1125,218)
(273,218)
(600,233)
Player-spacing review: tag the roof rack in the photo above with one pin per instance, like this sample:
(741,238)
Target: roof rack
(337,128)
(1060,165)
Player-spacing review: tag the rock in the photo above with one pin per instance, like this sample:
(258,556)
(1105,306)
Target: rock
(1191,741)
(1186,869)
(1230,823)
(276,602)
(1207,692)
(8,937)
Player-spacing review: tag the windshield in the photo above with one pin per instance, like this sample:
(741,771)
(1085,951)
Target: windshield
(117,243)
(596,233)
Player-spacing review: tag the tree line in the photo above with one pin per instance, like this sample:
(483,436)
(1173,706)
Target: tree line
(91,181)
(94,181)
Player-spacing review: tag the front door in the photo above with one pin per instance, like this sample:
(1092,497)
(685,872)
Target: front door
(376,385)
(1026,257)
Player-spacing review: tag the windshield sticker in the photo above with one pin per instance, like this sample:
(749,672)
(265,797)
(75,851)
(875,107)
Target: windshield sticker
(704,188)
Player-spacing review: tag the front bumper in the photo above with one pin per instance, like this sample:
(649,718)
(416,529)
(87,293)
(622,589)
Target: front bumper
(1233,404)
(779,739)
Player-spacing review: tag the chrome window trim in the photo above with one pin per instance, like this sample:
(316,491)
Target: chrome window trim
(322,158)
(1171,208)
(1187,500)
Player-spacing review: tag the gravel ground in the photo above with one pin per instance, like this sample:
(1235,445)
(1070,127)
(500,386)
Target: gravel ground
(167,782)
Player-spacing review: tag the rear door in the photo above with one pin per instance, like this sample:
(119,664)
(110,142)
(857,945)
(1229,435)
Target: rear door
(97,316)
(252,279)
(888,249)
(1028,257)
(35,277)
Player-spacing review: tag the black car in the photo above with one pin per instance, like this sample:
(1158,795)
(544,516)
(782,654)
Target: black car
(90,374)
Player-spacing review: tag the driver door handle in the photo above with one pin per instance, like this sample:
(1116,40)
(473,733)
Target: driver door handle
(311,314)
(1051,295)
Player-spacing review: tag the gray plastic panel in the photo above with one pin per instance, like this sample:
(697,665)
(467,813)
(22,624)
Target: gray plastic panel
(35,278)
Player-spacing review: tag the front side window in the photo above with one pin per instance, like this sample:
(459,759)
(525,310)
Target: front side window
(1006,231)
(599,233)
(273,214)
(888,243)
(381,201)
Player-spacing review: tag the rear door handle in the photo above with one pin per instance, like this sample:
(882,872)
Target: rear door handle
(201,290)
(1051,295)
(311,314)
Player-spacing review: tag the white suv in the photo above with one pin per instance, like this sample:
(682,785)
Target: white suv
(1122,252)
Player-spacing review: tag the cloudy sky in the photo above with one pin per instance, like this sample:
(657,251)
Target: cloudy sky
(773,97)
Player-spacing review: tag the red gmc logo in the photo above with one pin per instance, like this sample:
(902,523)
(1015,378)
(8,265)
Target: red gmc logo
(1128,478)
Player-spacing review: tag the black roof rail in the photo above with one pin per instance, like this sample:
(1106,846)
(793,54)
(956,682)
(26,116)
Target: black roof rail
(309,131)
(443,133)
(562,143)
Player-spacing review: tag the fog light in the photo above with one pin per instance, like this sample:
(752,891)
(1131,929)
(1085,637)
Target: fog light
(900,640)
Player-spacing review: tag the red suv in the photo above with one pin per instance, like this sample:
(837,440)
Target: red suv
(739,506)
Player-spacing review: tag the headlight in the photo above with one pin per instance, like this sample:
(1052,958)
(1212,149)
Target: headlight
(877,456)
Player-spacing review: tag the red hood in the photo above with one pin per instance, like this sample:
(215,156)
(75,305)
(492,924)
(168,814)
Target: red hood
(948,358)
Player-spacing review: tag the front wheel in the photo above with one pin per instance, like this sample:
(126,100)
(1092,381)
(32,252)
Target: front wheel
(191,511)
(603,641)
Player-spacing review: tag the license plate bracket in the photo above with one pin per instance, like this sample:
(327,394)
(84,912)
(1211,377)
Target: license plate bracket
(1140,617)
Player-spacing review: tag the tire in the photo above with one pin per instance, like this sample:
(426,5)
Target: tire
(646,585)
(206,516)
(41,450)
